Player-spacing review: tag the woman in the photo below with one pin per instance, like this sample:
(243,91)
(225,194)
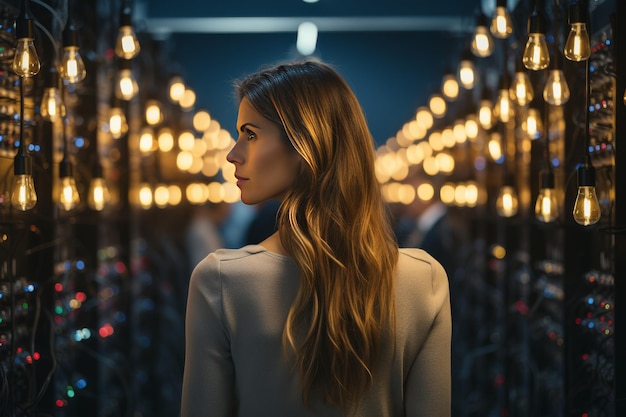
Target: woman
(326,317)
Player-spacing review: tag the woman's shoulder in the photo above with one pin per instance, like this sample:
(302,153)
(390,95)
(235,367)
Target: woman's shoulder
(418,265)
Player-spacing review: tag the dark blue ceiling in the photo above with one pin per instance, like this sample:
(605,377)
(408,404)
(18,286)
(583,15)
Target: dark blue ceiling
(392,71)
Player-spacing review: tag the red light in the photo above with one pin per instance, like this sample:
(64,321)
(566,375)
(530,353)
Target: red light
(106,330)
(81,296)
(58,287)
(29,359)
(60,403)
(585,356)
(36,356)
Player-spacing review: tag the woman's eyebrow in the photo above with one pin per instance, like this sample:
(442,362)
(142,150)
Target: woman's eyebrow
(243,126)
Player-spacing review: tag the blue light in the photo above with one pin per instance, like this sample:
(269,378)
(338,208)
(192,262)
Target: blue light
(79,141)
(590,300)
(80,265)
(81,383)
(591,325)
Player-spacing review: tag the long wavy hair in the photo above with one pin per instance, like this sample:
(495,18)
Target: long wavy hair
(334,224)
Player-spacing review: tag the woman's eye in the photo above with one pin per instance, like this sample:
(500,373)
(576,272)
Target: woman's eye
(251,135)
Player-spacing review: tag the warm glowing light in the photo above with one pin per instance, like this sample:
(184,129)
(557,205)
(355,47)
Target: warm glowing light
(146,141)
(201,120)
(507,203)
(459,131)
(471,127)
(445,162)
(532,125)
(424,117)
(197,193)
(175,195)
(495,146)
(165,140)
(154,116)
(435,141)
(536,56)
(52,107)
(161,196)
(425,191)
(127,46)
(25,61)
(485,113)
(126,87)
(117,123)
(72,68)
(69,197)
(556,91)
(522,91)
(23,197)
(188,99)
(177,89)
(184,160)
(504,109)
(437,106)
(450,87)
(482,42)
(98,195)
(467,76)
(577,46)
(186,141)
(446,193)
(501,23)
(145,196)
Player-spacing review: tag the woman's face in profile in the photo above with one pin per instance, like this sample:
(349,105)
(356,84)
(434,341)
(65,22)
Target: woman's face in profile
(265,163)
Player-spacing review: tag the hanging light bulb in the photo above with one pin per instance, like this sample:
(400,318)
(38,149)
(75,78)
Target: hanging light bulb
(467,71)
(127,46)
(154,116)
(117,121)
(126,87)
(501,24)
(52,107)
(98,195)
(69,197)
(25,60)
(507,203)
(577,46)
(586,207)
(485,110)
(504,109)
(532,125)
(23,196)
(482,41)
(521,91)
(536,55)
(546,206)
(556,91)
(72,68)
(450,86)
(495,147)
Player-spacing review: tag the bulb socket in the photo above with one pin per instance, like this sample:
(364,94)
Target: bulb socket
(501,3)
(97,171)
(547,179)
(52,77)
(481,20)
(126,17)
(70,35)
(577,14)
(536,23)
(22,164)
(65,168)
(557,60)
(586,175)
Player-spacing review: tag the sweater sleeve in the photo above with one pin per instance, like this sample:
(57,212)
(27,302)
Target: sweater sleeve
(208,381)
(428,384)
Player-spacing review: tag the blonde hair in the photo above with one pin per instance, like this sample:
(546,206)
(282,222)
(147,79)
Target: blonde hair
(334,224)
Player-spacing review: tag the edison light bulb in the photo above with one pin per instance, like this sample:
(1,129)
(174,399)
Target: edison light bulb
(23,196)
(577,46)
(72,67)
(126,87)
(482,42)
(546,206)
(467,76)
(506,203)
(485,113)
(521,90)
(117,123)
(556,91)
(25,62)
(586,207)
(52,108)
(127,45)
(98,194)
(533,126)
(69,197)
(504,107)
(495,146)
(501,24)
(536,56)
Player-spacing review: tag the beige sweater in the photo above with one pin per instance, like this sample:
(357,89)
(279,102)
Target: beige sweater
(234,364)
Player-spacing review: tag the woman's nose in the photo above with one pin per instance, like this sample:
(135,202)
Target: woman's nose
(233,155)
